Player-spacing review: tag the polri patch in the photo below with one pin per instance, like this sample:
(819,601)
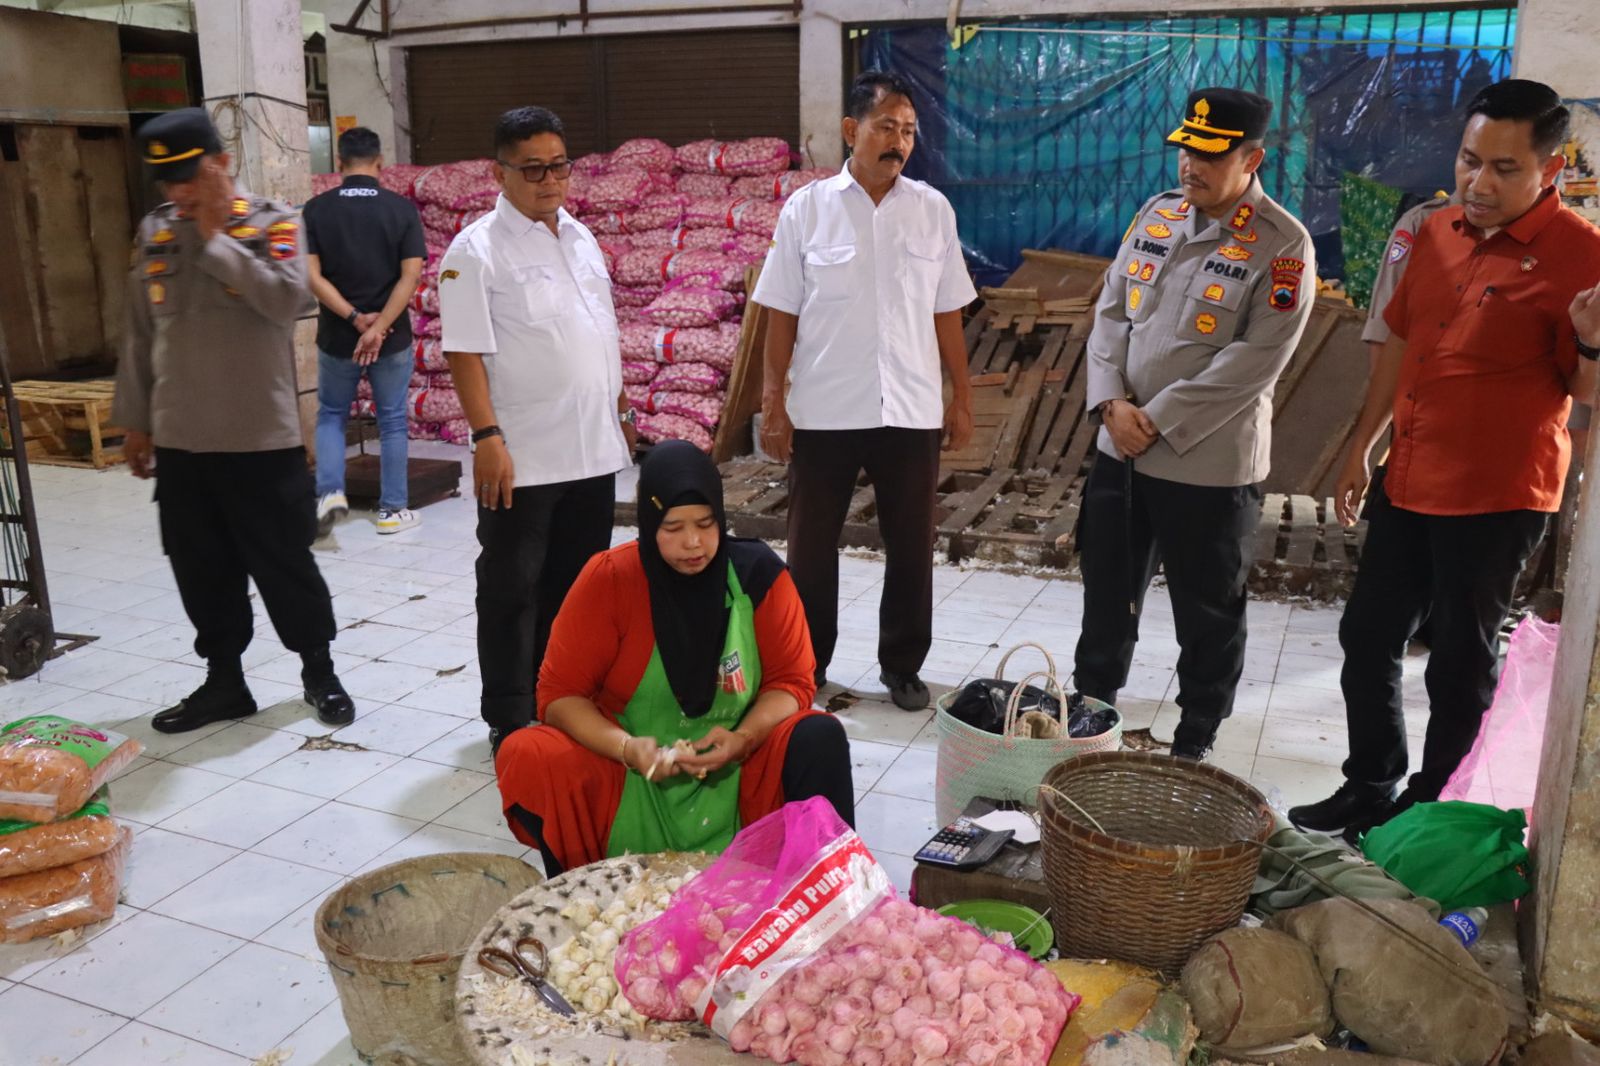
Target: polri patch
(1286,277)
(1159,230)
(1215,292)
(1400,247)
(1205,323)
(1235,253)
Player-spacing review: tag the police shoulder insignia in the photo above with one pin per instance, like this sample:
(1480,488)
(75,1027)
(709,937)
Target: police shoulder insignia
(1159,230)
(282,239)
(1234,252)
(241,207)
(1286,277)
(1148,273)
(1400,247)
(1133,268)
(1242,217)
(1171,215)
(154,267)
(161,236)
(243,233)
(157,292)
(1246,236)
(1135,298)
(449,275)
(1205,323)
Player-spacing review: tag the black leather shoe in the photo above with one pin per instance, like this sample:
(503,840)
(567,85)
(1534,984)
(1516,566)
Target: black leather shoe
(334,705)
(820,676)
(216,700)
(1350,806)
(1194,737)
(906,690)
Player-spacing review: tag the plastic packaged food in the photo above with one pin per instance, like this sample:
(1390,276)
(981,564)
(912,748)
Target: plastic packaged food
(28,846)
(47,902)
(50,766)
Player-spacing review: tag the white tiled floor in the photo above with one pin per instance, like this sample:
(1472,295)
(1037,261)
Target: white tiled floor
(240,833)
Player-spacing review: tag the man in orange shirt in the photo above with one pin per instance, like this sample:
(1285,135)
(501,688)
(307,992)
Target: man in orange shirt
(1496,328)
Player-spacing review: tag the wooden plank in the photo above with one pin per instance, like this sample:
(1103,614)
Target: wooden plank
(20,304)
(1004,352)
(1323,323)
(1267,529)
(59,213)
(983,350)
(103,151)
(955,526)
(1303,532)
(1025,403)
(743,398)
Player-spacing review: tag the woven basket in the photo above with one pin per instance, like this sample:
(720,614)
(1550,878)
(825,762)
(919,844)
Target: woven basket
(974,762)
(1147,856)
(394,939)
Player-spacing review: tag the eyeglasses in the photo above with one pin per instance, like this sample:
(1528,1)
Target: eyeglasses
(535,172)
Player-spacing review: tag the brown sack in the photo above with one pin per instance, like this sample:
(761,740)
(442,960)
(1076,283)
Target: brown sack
(48,901)
(1434,1005)
(1253,987)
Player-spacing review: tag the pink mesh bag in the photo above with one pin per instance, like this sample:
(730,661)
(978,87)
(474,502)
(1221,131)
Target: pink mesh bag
(657,428)
(690,305)
(793,947)
(1502,769)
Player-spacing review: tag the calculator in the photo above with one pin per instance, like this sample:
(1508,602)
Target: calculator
(963,844)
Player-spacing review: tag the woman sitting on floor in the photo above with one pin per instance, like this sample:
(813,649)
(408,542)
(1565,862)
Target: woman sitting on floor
(676,692)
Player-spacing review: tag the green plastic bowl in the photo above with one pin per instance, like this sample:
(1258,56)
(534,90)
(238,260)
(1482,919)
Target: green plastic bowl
(1031,930)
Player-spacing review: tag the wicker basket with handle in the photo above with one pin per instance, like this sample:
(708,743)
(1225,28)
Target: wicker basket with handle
(974,762)
(1146,856)
(394,939)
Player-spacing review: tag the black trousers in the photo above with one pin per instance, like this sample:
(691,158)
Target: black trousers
(531,554)
(1459,573)
(228,517)
(817,763)
(903,465)
(1199,534)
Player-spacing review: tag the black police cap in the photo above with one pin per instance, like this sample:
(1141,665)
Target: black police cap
(1218,119)
(172,144)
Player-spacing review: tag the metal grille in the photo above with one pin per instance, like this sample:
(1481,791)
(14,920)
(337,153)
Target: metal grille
(1050,133)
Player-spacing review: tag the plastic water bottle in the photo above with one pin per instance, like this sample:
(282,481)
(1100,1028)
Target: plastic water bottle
(1467,925)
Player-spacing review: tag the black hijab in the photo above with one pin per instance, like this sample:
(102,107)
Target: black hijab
(690,611)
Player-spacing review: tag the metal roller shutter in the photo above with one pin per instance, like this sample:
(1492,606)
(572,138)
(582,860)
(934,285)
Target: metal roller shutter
(679,87)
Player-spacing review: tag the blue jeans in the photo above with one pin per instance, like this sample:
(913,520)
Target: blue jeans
(336,390)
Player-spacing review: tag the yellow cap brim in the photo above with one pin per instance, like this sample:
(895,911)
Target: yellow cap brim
(1196,142)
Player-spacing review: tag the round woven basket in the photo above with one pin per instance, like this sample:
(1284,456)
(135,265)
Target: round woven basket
(1147,856)
(394,939)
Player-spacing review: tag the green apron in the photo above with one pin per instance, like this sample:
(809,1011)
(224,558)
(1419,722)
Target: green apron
(682,813)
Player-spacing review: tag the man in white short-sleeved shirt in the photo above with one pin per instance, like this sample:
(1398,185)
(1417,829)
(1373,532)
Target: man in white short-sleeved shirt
(866,285)
(531,335)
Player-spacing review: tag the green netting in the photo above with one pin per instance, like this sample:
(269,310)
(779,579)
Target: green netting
(1366,214)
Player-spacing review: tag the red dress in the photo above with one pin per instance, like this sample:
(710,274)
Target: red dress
(599,647)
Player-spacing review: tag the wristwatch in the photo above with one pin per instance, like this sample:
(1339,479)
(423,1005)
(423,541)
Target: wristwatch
(630,417)
(1588,351)
(485,433)
(352,316)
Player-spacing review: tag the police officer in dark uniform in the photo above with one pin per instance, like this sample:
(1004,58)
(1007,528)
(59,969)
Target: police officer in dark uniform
(1200,313)
(206,393)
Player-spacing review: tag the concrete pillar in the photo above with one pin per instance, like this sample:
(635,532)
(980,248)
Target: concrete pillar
(1561,938)
(252,59)
(822,49)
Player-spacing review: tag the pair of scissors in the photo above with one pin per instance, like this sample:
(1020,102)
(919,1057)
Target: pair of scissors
(528,960)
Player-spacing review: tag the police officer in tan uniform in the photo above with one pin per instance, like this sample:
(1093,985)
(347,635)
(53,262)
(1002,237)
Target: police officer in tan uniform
(1201,310)
(206,392)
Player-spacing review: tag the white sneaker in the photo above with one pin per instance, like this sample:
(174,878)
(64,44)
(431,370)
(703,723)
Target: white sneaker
(395,521)
(330,509)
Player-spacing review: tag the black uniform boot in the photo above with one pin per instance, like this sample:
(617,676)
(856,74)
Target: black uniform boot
(323,690)
(222,696)
(1194,736)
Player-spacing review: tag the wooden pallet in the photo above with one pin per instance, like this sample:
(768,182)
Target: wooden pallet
(68,423)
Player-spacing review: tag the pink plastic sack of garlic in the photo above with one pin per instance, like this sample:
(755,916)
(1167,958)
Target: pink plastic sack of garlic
(659,240)
(716,213)
(638,397)
(793,946)
(638,373)
(428,355)
(714,346)
(619,189)
(757,155)
(400,178)
(705,266)
(426,299)
(657,428)
(456,431)
(690,377)
(690,305)
(321,183)
(422,430)
(433,405)
(611,248)
(591,165)
(635,296)
(704,408)
(1502,769)
(779,186)
(759,217)
(463,186)
(705,186)
(426,326)
(646,153)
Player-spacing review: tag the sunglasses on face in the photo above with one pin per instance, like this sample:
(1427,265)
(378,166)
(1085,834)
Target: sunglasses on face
(535,172)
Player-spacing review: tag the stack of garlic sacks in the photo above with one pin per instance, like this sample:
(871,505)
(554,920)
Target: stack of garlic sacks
(678,226)
(901,986)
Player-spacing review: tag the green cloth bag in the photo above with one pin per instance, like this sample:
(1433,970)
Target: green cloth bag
(1461,854)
